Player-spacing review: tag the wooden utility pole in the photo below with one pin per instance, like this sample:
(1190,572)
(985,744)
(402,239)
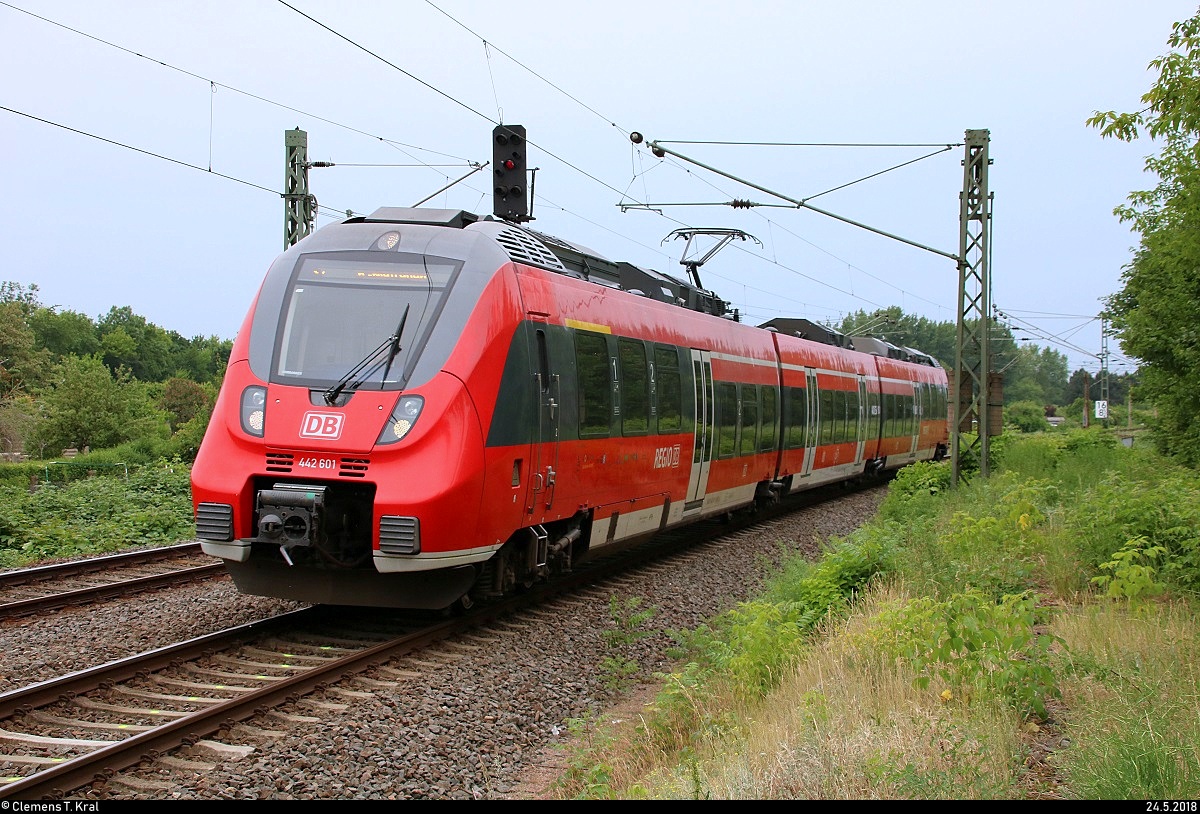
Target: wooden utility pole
(1087,392)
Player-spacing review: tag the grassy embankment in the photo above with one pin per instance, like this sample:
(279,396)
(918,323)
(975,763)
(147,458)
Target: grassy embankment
(1029,635)
(1032,634)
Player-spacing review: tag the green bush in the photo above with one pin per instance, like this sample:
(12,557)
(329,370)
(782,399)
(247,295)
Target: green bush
(151,506)
(1163,513)
(1026,416)
(970,643)
(922,478)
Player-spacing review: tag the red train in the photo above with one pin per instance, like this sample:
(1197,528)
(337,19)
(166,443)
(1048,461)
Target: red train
(424,408)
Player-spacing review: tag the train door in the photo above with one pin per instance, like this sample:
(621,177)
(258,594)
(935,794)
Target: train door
(861,431)
(705,431)
(917,410)
(813,414)
(544,454)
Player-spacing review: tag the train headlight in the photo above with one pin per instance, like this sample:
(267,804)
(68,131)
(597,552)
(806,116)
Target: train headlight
(253,413)
(407,411)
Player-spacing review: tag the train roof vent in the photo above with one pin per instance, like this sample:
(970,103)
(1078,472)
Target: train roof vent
(871,345)
(523,247)
(433,217)
(806,329)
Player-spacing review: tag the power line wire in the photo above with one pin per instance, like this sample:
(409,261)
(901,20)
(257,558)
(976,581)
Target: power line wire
(139,150)
(396,144)
(213,83)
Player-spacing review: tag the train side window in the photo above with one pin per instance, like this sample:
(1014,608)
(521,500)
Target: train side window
(826,417)
(769,414)
(845,417)
(635,393)
(873,416)
(595,385)
(749,437)
(668,389)
(727,419)
(857,415)
(841,417)
(795,417)
(543,360)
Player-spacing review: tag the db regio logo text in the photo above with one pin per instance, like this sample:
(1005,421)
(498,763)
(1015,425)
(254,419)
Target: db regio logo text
(321,425)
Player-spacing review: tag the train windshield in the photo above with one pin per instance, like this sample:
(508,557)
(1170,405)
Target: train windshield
(340,307)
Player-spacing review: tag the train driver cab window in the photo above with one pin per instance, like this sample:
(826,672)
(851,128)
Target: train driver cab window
(595,384)
(398,294)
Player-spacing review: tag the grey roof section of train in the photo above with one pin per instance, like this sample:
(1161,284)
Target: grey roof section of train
(555,254)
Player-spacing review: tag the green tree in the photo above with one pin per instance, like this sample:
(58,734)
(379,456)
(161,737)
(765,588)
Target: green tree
(87,406)
(201,358)
(1035,374)
(1026,416)
(18,415)
(23,365)
(128,340)
(65,333)
(25,296)
(1156,313)
(1030,373)
(183,399)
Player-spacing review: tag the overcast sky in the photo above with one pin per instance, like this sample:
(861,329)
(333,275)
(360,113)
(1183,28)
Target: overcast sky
(143,142)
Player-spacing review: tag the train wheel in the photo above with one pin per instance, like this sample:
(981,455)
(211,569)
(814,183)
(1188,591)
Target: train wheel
(463,604)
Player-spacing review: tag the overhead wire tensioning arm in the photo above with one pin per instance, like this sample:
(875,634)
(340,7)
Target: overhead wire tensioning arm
(658,150)
(475,167)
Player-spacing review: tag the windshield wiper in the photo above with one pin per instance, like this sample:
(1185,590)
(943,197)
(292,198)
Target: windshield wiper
(395,348)
(392,344)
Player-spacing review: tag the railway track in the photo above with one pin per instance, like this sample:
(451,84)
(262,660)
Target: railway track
(61,734)
(34,590)
(58,737)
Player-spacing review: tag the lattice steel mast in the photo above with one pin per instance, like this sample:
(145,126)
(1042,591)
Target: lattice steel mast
(298,205)
(972,379)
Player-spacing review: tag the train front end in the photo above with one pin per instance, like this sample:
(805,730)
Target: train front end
(343,463)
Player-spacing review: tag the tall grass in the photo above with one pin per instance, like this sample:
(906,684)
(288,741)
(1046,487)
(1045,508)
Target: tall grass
(1028,635)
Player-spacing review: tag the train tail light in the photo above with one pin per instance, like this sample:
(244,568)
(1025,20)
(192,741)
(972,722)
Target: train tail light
(253,413)
(408,410)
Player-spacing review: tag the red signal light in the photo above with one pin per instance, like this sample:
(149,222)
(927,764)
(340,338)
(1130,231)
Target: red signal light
(508,161)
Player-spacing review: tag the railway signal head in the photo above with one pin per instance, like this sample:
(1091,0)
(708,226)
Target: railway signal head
(510,200)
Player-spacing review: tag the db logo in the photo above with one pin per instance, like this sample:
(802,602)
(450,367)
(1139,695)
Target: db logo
(321,425)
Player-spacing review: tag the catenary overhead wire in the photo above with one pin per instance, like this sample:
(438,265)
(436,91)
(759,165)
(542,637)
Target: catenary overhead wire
(396,144)
(492,46)
(213,83)
(335,212)
(154,155)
